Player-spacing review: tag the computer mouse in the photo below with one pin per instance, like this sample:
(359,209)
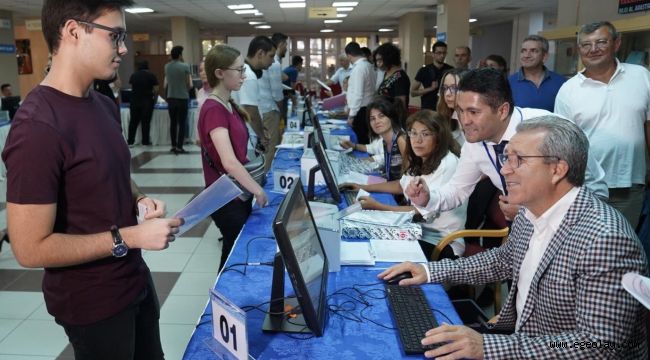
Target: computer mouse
(399,277)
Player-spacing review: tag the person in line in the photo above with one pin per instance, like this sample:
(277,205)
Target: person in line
(396,82)
(224,135)
(427,80)
(360,91)
(498,63)
(178,82)
(342,72)
(566,255)
(71,203)
(144,91)
(462,57)
(290,76)
(431,154)
(534,85)
(447,102)
(610,101)
(5,90)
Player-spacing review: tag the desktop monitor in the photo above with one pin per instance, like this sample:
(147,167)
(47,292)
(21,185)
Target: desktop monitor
(307,112)
(303,256)
(318,130)
(11,104)
(329,175)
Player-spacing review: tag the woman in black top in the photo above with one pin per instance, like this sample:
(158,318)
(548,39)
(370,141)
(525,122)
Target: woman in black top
(396,83)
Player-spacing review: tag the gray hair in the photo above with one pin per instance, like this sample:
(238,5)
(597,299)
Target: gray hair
(564,140)
(590,28)
(540,39)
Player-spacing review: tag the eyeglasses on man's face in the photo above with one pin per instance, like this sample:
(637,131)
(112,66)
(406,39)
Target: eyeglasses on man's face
(587,46)
(419,135)
(514,160)
(117,35)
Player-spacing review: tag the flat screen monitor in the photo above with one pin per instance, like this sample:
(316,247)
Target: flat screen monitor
(303,256)
(326,168)
(318,130)
(11,104)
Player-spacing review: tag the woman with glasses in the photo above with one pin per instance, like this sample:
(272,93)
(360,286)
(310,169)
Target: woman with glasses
(388,140)
(447,102)
(432,155)
(224,138)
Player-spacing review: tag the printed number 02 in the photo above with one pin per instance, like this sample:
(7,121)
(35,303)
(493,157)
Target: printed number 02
(286,182)
(225,335)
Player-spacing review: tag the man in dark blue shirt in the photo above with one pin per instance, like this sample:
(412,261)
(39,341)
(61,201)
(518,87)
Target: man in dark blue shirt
(534,85)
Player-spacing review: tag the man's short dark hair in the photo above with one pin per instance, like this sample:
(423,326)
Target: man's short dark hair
(438,44)
(55,13)
(296,60)
(4,86)
(390,54)
(278,38)
(143,65)
(260,43)
(366,51)
(493,87)
(176,52)
(353,49)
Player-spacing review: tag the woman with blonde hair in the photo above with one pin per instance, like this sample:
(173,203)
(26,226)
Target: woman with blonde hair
(224,137)
(447,102)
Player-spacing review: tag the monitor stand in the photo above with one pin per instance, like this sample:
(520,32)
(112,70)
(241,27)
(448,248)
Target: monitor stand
(310,188)
(276,320)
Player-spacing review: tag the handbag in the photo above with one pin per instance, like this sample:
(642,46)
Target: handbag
(255,168)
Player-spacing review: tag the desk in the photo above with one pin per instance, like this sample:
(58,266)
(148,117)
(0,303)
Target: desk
(343,338)
(159,130)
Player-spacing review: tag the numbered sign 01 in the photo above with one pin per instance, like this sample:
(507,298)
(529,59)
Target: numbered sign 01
(284,180)
(229,326)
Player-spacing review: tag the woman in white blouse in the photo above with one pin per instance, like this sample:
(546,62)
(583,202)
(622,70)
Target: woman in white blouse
(431,154)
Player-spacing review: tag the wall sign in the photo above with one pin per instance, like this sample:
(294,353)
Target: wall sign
(632,6)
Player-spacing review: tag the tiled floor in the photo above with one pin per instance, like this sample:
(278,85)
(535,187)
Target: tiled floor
(183,273)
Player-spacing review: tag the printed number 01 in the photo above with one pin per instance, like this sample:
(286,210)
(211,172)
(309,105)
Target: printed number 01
(225,335)
(286,182)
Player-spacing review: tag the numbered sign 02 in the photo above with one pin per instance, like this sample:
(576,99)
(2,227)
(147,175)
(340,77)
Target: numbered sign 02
(229,326)
(284,180)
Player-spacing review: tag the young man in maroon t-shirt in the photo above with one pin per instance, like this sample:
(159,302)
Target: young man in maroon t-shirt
(71,204)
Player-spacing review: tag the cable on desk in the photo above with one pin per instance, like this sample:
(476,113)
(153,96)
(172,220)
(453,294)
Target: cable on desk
(443,314)
(346,309)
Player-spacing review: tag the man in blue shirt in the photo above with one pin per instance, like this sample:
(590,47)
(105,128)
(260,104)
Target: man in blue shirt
(292,71)
(535,86)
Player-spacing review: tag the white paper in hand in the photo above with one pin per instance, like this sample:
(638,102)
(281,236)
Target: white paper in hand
(208,201)
(638,286)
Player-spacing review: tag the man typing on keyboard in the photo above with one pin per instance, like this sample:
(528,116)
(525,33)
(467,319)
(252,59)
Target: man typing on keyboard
(566,255)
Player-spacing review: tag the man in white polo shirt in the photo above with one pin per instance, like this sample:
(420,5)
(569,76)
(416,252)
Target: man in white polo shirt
(610,102)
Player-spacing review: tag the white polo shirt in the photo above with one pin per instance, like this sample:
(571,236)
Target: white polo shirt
(613,116)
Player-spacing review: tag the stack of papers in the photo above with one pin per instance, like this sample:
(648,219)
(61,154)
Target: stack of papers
(356,253)
(397,251)
(638,286)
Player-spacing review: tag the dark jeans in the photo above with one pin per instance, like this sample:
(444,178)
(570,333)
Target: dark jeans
(141,112)
(132,334)
(230,219)
(360,127)
(478,205)
(177,121)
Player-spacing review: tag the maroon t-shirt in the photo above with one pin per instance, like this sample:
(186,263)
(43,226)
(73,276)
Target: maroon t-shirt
(214,115)
(70,151)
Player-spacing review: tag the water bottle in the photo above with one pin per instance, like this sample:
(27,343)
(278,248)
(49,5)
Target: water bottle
(290,107)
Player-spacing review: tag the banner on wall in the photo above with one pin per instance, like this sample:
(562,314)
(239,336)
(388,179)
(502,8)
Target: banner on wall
(632,6)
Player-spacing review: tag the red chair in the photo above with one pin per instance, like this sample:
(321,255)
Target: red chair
(413,109)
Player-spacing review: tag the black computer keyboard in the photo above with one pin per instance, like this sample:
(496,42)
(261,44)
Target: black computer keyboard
(350,196)
(413,316)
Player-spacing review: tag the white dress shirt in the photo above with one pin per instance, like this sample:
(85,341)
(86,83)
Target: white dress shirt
(361,86)
(544,228)
(270,87)
(475,162)
(340,74)
(248,94)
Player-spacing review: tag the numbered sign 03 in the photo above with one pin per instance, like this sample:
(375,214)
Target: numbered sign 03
(284,180)
(229,326)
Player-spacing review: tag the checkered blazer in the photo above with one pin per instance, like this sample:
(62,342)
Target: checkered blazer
(575,295)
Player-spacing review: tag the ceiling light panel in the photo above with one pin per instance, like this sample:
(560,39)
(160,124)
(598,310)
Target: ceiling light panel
(241,7)
(292,5)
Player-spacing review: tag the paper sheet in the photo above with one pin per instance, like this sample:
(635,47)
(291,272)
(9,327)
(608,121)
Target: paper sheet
(638,286)
(208,201)
(397,251)
(356,253)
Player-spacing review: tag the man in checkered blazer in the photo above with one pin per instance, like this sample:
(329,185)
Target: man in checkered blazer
(566,255)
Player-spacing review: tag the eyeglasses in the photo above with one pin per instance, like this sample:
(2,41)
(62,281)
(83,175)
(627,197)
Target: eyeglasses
(241,70)
(117,35)
(452,88)
(598,45)
(514,160)
(421,135)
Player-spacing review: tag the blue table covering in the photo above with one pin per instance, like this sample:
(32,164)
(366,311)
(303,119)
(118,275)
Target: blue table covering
(360,332)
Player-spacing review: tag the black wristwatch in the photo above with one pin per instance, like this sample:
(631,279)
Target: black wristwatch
(119,247)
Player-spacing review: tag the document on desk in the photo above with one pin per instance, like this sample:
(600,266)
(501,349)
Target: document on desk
(397,251)
(356,253)
(208,201)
